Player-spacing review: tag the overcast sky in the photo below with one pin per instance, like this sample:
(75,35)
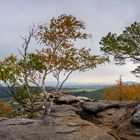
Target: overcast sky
(100,17)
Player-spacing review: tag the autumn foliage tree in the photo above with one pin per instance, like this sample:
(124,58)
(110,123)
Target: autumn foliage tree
(121,92)
(59,56)
(60,53)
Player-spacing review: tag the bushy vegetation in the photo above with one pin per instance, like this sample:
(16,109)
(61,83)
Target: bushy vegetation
(6,110)
(120,92)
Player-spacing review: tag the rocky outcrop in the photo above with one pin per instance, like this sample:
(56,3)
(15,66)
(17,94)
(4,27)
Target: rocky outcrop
(76,118)
(122,117)
(96,107)
(62,99)
(69,99)
(62,124)
(136,116)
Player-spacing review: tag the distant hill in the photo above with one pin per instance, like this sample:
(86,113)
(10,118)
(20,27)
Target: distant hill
(95,94)
(91,91)
(77,90)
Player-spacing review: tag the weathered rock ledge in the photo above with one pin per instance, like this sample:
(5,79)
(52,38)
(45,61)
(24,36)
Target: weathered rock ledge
(77,118)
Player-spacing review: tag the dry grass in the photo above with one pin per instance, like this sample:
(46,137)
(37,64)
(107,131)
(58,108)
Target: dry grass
(6,110)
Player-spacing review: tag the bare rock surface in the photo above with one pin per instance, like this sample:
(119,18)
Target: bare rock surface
(122,117)
(136,116)
(18,121)
(69,99)
(62,124)
(96,107)
(82,120)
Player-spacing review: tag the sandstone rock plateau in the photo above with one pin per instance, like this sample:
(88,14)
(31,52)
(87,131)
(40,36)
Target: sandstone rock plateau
(78,118)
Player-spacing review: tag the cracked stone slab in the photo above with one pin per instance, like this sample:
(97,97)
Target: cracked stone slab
(18,121)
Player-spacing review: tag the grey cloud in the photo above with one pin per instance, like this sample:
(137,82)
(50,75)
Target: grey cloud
(100,16)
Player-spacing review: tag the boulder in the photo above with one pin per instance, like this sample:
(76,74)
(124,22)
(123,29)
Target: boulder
(69,99)
(137,108)
(136,116)
(82,99)
(96,107)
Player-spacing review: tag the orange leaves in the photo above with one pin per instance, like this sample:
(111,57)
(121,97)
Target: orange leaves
(110,93)
(128,92)
(64,28)
(132,92)
(59,37)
